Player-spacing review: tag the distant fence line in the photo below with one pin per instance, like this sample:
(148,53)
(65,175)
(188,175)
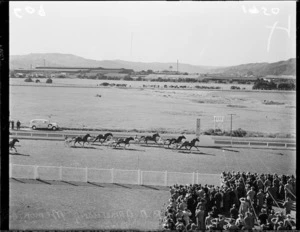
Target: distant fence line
(118,176)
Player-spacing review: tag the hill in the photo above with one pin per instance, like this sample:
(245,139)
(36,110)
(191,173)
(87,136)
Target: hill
(69,60)
(280,68)
(287,67)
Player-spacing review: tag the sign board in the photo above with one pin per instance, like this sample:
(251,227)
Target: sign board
(198,127)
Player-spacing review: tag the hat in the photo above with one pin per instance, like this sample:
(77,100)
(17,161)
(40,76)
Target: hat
(263,210)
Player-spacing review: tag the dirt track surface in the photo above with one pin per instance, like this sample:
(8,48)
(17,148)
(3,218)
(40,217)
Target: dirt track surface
(154,158)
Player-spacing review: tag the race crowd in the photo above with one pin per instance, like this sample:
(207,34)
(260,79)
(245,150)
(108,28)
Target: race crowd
(243,201)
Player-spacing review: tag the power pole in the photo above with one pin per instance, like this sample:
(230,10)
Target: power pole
(231,127)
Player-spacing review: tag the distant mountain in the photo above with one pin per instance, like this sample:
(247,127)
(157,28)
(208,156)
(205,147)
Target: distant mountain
(68,60)
(287,67)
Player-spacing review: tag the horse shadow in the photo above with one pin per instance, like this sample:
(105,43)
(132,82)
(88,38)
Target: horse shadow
(127,149)
(151,145)
(83,147)
(195,153)
(16,153)
(221,148)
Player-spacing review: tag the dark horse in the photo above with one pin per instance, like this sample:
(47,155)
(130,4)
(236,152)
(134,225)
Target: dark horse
(190,144)
(150,138)
(125,141)
(82,139)
(172,141)
(104,137)
(12,144)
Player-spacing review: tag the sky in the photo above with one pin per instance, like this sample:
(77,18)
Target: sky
(197,33)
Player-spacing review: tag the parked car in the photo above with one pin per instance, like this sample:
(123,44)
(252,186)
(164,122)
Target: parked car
(43,124)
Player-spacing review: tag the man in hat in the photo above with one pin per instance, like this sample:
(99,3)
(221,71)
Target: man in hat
(208,220)
(263,217)
(200,213)
(288,205)
(288,222)
(186,216)
(234,212)
(260,197)
(244,206)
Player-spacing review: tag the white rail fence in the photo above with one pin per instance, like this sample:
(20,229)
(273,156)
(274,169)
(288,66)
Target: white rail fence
(118,176)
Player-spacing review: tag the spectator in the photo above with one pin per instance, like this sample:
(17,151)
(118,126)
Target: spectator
(260,197)
(186,216)
(248,222)
(244,206)
(288,222)
(234,212)
(280,226)
(200,218)
(263,217)
(12,125)
(208,220)
(240,221)
(288,205)
(18,125)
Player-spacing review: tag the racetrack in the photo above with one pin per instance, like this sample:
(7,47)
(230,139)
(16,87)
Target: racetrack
(59,205)
(155,158)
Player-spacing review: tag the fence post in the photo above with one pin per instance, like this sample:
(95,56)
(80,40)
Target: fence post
(197,178)
(141,180)
(10,170)
(193,179)
(60,173)
(139,177)
(86,174)
(166,178)
(36,172)
(112,175)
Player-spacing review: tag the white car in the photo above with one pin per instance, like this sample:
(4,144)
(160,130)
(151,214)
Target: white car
(43,124)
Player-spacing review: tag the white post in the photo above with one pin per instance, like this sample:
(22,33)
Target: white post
(193,178)
(60,173)
(86,174)
(139,177)
(36,172)
(10,170)
(141,180)
(197,178)
(166,178)
(112,175)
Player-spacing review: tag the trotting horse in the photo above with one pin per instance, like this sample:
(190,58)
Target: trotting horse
(104,137)
(82,139)
(150,138)
(12,144)
(174,141)
(190,144)
(125,141)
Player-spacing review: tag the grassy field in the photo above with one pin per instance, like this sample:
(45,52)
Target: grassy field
(40,206)
(149,109)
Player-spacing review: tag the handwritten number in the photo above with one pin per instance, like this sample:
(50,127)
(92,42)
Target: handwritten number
(253,10)
(41,11)
(29,9)
(17,10)
(275,11)
(265,11)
